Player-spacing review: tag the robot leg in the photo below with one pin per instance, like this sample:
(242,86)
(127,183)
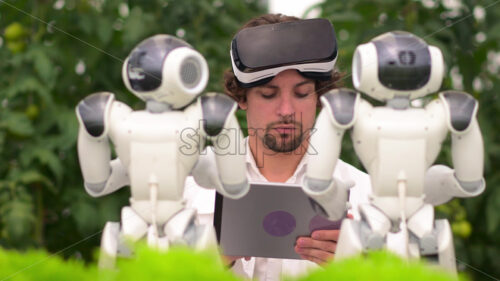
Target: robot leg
(134,228)
(182,229)
(155,240)
(349,243)
(109,245)
(365,235)
(422,236)
(204,236)
(433,240)
(446,250)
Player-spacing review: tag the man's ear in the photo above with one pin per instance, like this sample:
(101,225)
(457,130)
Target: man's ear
(243,105)
(318,101)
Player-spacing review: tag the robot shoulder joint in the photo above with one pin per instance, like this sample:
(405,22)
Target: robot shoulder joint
(461,109)
(342,106)
(216,108)
(92,112)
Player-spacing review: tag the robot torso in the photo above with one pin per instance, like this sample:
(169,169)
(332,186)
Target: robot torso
(149,146)
(398,145)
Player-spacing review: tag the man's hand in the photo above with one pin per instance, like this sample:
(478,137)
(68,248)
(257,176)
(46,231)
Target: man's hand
(320,247)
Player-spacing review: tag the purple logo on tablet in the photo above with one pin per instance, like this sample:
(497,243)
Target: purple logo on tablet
(279,223)
(319,223)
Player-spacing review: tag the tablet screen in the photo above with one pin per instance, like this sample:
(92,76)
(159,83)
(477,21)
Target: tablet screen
(267,221)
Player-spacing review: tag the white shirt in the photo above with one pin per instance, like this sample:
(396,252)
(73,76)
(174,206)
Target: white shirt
(269,269)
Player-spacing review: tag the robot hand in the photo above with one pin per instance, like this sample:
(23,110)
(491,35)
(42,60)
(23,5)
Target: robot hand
(441,186)
(205,171)
(221,127)
(328,197)
(94,113)
(206,174)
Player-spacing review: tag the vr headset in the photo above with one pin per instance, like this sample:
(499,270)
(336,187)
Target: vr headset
(259,53)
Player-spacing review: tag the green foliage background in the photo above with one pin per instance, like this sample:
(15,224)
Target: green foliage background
(44,43)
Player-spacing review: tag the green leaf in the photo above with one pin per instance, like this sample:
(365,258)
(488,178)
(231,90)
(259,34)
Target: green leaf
(68,125)
(494,31)
(104,29)
(17,123)
(137,25)
(17,216)
(3,137)
(50,159)
(44,67)
(29,83)
(492,214)
(86,23)
(85,215)
(33,176)
(42,63)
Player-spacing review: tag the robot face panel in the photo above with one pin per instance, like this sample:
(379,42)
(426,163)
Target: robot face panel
(404,61)
(165,69)
(145,63)
(397,64)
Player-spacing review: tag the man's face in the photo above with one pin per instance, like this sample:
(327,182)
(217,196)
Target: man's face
(281,113)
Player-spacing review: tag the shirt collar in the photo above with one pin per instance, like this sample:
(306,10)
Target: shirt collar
(253,171)
(255,174)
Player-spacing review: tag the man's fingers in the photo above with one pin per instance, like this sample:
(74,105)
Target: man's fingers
(326,235)
(319,248)
(313,259)
(305,242)
(319,255)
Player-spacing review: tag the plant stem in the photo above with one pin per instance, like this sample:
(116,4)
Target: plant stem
(39,215)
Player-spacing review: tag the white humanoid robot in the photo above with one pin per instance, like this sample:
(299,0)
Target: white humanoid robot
(152,157)
(397,144)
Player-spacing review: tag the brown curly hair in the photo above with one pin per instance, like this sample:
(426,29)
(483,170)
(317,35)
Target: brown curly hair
(238,93)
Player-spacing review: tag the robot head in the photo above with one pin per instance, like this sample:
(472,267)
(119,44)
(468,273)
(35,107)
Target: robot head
(397,64)
(165,69)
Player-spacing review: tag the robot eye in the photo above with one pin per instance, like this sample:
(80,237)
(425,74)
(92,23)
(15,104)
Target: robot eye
(190,72)
(407,57)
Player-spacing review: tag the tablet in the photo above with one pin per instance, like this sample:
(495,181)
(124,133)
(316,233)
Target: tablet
(267,221)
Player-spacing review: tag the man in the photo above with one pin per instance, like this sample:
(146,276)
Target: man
(280,111)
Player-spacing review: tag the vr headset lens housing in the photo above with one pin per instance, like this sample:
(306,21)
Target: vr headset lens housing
(259,53)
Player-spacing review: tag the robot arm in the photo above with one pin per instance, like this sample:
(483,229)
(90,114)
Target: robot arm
(466,180)
(101,175)
(222,128)
(338,114)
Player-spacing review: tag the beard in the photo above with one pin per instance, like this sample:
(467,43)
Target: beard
(283,143)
